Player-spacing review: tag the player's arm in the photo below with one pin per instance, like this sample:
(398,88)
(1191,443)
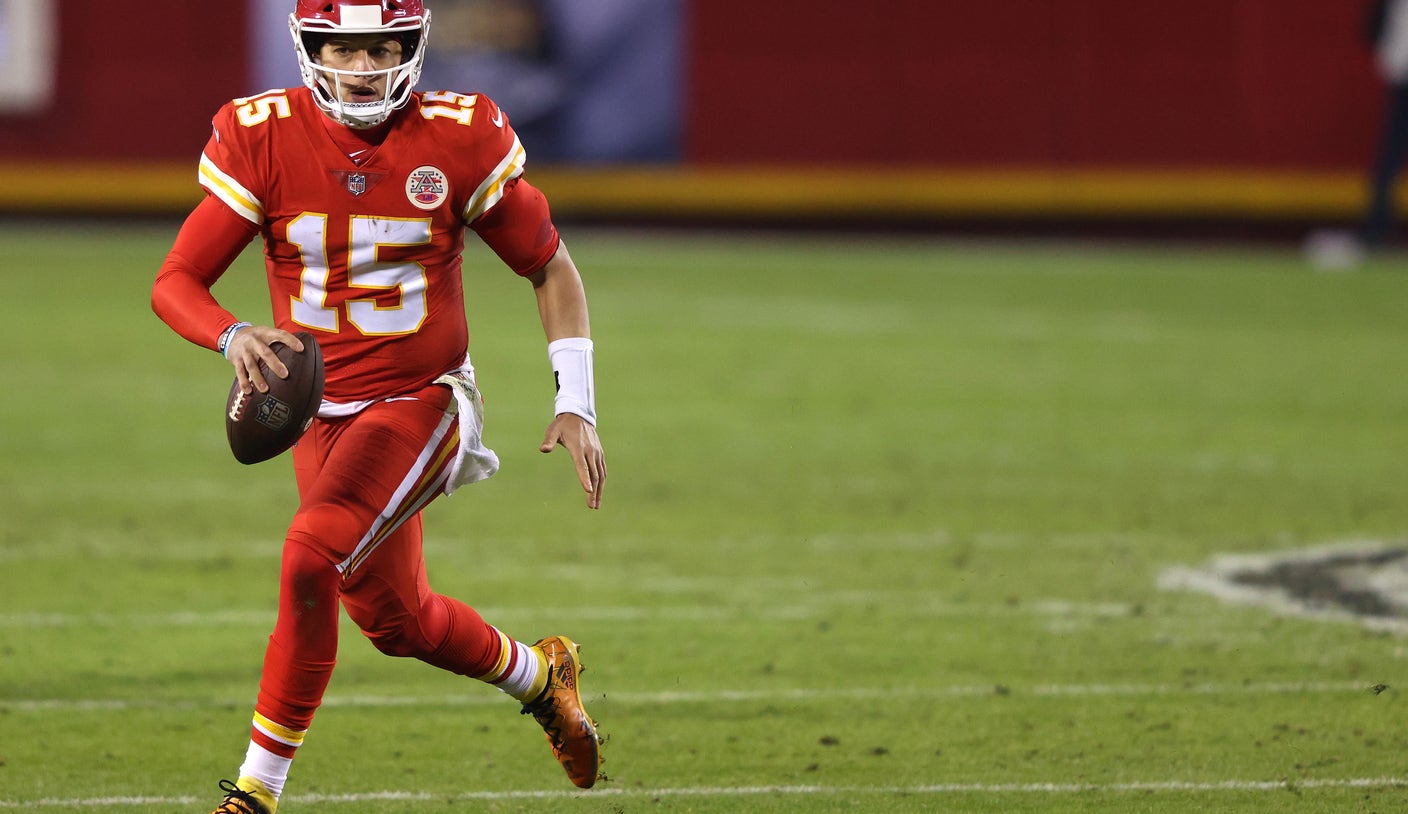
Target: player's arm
(208,242)
(519,229)
(562,306)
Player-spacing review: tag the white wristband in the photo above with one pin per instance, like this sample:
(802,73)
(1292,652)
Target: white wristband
(572,368)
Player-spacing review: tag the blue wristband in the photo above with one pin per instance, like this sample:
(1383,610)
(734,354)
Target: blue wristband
(224,343)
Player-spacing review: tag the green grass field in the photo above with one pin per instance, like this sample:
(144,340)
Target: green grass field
(883,533)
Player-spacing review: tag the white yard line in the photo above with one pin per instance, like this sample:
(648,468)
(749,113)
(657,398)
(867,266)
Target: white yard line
(937,789)
(818,603)
(732,696)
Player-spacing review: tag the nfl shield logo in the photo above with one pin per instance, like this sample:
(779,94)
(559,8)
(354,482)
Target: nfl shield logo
(356,183)
(273,413)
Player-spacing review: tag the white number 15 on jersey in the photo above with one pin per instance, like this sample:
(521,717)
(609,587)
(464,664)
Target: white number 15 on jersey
(364,271)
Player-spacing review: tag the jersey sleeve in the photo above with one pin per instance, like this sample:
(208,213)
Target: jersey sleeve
(519,228)
(510,215)
(501,159)
(227,165)
(209,241)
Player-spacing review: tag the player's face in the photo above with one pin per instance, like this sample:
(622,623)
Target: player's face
(355,53)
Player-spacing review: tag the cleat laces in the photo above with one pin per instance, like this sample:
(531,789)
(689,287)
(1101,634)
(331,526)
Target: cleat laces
(238,801)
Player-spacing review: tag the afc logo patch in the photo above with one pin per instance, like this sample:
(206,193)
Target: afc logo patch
(427,187)
(273,413)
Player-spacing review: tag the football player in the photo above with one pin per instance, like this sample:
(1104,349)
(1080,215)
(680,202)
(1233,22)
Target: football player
(362,188)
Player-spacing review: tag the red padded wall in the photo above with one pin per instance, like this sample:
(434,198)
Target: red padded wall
(1086,83)
(135,81)
(1063,83)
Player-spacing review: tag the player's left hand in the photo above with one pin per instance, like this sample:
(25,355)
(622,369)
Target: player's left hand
(579,438)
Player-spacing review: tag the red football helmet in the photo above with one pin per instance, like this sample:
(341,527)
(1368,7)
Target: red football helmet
(408,21)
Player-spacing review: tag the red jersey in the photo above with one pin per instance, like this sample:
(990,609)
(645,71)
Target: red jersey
(366,255)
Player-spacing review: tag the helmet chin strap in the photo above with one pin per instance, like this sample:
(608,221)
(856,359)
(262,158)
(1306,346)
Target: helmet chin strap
(362,115)
(359,115)
(353,114)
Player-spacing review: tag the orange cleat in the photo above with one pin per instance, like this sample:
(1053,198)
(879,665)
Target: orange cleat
(571,732)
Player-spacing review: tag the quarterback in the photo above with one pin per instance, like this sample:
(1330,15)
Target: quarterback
(362,189)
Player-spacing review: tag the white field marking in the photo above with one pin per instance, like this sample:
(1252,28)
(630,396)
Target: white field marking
(731,696)
(121,550)
(978,691)
(224,618)
(1192,786)
(820,603)
(1216,578)
(42,550)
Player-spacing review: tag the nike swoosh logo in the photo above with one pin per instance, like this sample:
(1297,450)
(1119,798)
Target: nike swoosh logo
(498,119)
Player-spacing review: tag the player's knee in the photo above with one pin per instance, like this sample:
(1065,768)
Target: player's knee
(399,631)
(401,638)
(308,573)
(329,530)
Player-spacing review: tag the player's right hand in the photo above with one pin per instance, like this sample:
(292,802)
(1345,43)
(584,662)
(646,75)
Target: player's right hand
(249,345)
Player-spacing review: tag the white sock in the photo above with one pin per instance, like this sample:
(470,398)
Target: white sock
(266,767)
(520,680)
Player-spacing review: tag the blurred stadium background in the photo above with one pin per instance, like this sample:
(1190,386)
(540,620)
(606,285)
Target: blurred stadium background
(916,112)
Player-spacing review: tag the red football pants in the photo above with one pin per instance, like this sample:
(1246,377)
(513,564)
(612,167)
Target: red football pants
(356,537)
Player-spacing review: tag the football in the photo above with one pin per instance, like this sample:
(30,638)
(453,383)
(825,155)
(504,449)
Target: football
(261,426)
